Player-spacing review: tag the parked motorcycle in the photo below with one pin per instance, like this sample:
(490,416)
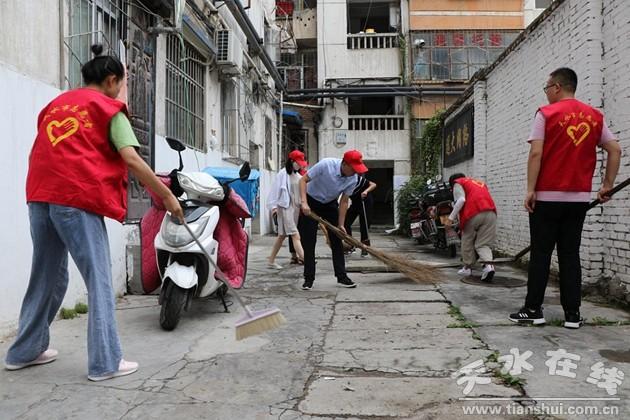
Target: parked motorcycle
(184,269)
(427,218)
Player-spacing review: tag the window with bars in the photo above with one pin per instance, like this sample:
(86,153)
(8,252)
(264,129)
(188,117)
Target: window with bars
(91,22)
(185,87)
(230,117)
(299,71)
(457,55)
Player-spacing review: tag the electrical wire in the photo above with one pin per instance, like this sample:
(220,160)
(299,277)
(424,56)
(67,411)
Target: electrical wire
(367,17)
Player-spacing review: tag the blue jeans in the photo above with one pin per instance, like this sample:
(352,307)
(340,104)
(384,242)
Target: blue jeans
(55,231)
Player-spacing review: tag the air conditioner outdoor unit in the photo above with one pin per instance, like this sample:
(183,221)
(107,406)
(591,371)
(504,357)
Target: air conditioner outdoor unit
(229,52)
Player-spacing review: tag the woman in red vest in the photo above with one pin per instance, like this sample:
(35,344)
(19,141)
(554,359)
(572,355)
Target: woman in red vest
(77,176)
(477,220)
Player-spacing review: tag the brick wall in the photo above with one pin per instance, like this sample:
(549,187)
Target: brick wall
(589,36)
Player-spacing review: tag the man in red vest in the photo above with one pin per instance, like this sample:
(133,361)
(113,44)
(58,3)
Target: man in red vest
(562,159)
(477,221)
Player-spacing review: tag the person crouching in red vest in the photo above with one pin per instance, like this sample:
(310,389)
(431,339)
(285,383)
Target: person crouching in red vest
(77,175)
(477,221)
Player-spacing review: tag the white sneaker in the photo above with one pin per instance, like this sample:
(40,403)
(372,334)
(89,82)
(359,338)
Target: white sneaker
(487,273)
(124,368)
(47,356)
(274,265)
(464,271)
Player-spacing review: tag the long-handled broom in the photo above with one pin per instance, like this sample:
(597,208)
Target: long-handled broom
(525,250)
(420,273)
(254,322)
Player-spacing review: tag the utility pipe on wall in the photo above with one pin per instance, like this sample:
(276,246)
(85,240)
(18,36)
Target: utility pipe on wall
(256,42)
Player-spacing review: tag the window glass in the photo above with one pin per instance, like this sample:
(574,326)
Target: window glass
(456,55)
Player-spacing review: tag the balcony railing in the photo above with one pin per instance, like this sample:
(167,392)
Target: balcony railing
(372,41)
(376,122)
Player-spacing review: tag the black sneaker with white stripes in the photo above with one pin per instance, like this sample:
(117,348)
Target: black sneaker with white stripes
(573,320)
(527,316)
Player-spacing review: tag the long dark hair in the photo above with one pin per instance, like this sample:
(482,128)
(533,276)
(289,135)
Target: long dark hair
(100,67)
(288,165)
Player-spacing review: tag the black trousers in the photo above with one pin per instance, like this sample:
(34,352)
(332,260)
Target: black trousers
(356,210)
(556,224)
(330,213)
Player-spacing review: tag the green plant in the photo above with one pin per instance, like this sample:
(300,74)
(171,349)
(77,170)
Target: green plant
(405,200)
(599,320)
(425,161)
(555,323)
(456,313)
(509,380)
(426,150)
(465,324)
(81,308)
(67,313)
(493,357)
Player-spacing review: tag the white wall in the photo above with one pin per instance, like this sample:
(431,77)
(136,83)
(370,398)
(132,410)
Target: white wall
(571,36)
(166,159)
(29,41)
(615,219)
(19,119)
(530,12)
(335,60)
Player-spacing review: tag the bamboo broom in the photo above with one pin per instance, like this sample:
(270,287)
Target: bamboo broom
(254,322)
(420,273)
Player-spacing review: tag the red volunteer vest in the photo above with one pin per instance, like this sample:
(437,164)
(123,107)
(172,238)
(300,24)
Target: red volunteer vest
(72,162)
(572,132)
(478,200)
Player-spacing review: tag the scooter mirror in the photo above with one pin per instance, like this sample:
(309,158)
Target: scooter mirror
(244,172)
(175,144)
(179,147)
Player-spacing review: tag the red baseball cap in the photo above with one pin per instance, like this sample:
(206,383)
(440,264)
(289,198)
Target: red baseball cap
(298,157)
(354,158)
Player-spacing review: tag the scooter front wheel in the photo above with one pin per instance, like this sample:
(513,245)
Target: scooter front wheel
(173,305)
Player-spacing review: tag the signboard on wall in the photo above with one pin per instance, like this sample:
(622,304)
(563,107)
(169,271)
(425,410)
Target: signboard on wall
(458,138)
(340,138)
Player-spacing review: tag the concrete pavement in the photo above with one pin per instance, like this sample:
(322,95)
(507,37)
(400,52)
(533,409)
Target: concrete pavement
(389,349)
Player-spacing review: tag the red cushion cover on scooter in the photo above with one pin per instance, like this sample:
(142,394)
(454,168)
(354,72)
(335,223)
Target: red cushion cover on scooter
(149,228)
(229,234)
(232,240)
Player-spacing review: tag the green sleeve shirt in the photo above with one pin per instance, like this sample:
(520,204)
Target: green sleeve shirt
(120,132)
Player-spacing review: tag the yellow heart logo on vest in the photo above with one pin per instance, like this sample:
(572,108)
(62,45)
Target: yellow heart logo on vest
(58,131)
(582,130)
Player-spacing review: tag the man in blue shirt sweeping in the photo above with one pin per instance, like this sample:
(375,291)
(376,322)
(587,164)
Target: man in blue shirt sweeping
(320,189)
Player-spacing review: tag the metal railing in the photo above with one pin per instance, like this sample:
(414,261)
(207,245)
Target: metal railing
(376,122)
(372,41)
(185,88)
(91,22)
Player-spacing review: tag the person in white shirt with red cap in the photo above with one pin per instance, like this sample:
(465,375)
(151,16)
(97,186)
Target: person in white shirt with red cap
(284,200)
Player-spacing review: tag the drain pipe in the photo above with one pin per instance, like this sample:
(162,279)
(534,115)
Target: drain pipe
(250,32)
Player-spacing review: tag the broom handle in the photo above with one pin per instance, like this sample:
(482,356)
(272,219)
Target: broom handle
(222,276)
(365,220)
(592,204)
(340,233)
